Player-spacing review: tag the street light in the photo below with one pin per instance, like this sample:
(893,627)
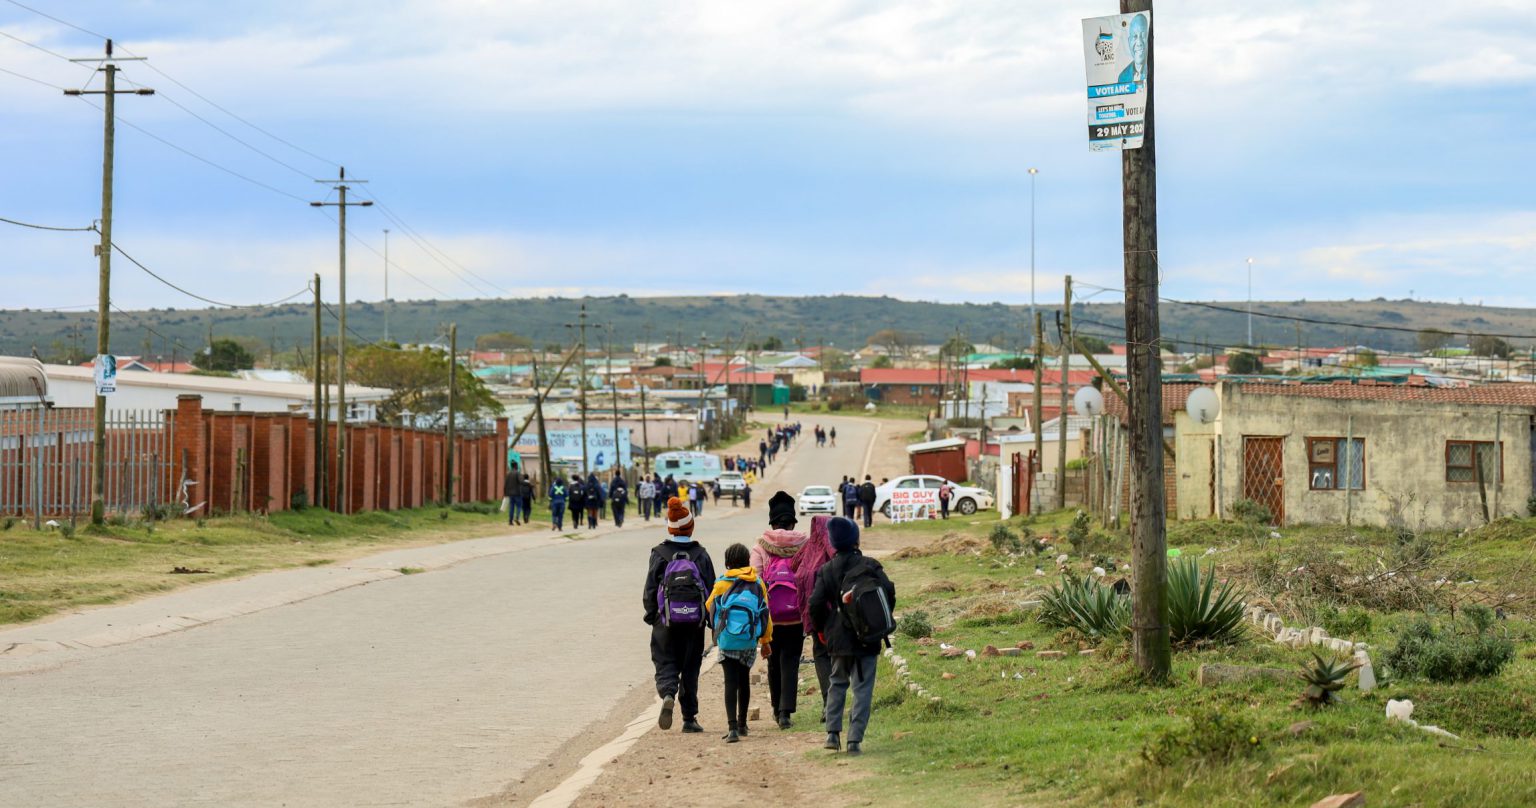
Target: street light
(1032,173)
(1250,302)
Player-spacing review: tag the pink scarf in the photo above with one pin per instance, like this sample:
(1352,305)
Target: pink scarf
(816,551)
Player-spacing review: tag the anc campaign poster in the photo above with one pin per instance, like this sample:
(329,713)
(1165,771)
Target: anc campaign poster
(1118,50)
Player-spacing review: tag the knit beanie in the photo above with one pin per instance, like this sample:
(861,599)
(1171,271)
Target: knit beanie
(781,510)
(679,518)
(843,533)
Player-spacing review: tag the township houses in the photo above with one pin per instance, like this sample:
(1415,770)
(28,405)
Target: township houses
(925,387)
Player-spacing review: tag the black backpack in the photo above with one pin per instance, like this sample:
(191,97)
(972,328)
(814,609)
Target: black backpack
(865,608)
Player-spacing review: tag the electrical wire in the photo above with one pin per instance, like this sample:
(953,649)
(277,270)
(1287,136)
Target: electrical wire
(37,47)
(375,251)
(226,133)
(196,296)
(56,19)
(90,229)
(33,80)
(432,250)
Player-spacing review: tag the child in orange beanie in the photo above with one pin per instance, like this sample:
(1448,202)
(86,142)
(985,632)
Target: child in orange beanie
(675,593)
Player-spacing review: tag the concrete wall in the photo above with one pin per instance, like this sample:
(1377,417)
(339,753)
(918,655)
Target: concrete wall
(1195,481)
(1405,452)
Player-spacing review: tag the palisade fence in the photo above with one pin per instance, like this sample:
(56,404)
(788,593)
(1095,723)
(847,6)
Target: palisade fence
(46,455)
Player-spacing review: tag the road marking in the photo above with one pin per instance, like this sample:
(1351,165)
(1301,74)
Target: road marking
(870,451)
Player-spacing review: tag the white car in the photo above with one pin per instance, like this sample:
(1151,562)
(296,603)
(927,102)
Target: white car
(923,490)
(730,484)
(816,499)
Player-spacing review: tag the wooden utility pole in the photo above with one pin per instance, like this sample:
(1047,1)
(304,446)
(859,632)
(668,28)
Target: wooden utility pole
(1039,404)
(1149,629)
(1061,417)
(538,413)
(453,407)
(317,497)
(104,282)
(645,435)
(343,499)
(613,390)
(581,346)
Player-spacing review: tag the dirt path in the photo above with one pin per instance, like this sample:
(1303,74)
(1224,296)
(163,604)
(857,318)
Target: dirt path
(768,767)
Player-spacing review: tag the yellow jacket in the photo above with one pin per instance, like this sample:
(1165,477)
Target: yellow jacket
(723,586)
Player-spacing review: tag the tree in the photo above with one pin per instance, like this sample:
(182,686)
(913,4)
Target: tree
(882,361)
(502,341)
(227,355)
(1092,345)
(1491,346)
(834,360)
(418,380)
(897,343)
(773,344)
(1014,363)
(663,362)
(1433,339)
(957,346)
(1366,358)
(1244,363)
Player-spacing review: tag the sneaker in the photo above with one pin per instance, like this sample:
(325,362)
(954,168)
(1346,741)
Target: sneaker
(742,728)
(691,726)
(853,749)
(732,737)
(833,742)
(665,719)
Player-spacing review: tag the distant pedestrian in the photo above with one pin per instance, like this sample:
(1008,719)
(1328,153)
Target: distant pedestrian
(946,493)
(714,492)
(832,434)
(738,610)
(525,487)
(850,490)
(746,494)
(675,587)
(578,502)
(618,494)
(512,495)
(867,500)
(851,608)
(646,493)
(696,498)
(774,557)
(559,493)
(594,499)
(659,505)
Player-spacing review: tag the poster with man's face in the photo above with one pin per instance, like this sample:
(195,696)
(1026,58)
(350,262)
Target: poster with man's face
(1118,50)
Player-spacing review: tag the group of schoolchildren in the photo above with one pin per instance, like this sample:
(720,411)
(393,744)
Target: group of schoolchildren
(789,586)
(858,498)
(823,434)
(587,500)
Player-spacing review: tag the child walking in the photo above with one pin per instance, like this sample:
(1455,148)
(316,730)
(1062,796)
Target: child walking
(674,609)
(738,608)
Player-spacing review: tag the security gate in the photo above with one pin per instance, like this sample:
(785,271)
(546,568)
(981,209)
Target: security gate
(1264,474)
(45,461)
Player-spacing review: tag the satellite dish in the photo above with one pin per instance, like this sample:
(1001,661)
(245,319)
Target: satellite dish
(1203,405)
(1088,401)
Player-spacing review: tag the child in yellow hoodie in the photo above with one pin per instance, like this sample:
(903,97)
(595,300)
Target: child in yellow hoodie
(738,610)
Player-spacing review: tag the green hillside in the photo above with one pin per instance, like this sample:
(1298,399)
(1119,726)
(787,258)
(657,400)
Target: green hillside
(845,321)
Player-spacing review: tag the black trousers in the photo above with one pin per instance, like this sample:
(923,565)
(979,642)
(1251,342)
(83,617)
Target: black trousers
(678,653)
(592,517)
(823,662)
(784,667)
(618,514)
(738,692)
(869,513)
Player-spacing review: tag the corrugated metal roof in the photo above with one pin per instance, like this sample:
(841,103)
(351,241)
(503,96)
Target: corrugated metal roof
(22,377)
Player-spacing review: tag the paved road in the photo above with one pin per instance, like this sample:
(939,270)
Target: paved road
(431,689)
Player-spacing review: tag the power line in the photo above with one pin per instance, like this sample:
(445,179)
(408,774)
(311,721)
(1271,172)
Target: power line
(226,133)
(37,47)
(90,229)
(196,296)
(33,80)
(55,19)
(393,264)
(433,251)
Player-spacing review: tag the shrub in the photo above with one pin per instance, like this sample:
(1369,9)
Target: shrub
(1199,613)
(1210,736)
(8,523)
(1442,653)
(1004,540)
(1078,532)
(1350,622)
(1253,513)
(1086,606)
(915,625)
(1324,678)
(1530,505)
(835,406)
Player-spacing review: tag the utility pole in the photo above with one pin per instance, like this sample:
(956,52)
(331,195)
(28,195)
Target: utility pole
(1061,417)
(104,256)
(386,284)
(613,390)
(1149,629)
(538,412)
(318,497)
(1039,404)
(1032,173)
(581,347)
(453,408)
(342,498)
(645,435)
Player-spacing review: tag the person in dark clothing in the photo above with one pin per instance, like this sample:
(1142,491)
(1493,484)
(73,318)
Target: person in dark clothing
(746,495)
(775,556)
(526,490)
(853,662)
(577,502)
(594,499)
(512,489)
(659,505)
(559,494)
(762,453)
(850,490)
(867,500)
(677,646)
(618,494)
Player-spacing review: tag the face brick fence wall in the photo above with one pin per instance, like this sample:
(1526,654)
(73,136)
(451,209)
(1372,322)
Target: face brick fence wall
(234,461)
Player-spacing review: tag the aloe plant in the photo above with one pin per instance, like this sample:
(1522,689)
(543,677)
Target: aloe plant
(1324,678)
(1198,612)
(1087,606)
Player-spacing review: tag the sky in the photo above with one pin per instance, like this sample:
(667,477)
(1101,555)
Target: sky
(1351,148)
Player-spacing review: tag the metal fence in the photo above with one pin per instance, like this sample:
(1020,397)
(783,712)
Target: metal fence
(46,454)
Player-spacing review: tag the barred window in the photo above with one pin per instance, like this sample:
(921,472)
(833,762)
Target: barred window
(1465,458)
(1333,463)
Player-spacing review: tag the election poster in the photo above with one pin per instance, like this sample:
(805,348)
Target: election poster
(565,447)
(105,372)
(1118,50)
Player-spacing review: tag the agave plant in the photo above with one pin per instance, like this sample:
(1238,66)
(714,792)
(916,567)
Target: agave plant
(1197,611)
(1324,678)
(1087,606)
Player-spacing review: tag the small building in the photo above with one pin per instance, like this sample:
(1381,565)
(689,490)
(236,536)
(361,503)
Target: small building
(1364,453)
(75,387)
(941,458)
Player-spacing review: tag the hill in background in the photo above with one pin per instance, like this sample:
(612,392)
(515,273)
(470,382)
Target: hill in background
(845,321)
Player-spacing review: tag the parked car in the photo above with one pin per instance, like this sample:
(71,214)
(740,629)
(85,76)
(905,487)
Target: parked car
(730,484)
(923,489)
(816,499)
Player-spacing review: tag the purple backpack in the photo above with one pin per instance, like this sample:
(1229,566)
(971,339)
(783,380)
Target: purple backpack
(783,594)
(681,594)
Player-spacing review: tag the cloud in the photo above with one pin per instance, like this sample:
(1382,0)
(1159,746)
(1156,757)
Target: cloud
(1487,66)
